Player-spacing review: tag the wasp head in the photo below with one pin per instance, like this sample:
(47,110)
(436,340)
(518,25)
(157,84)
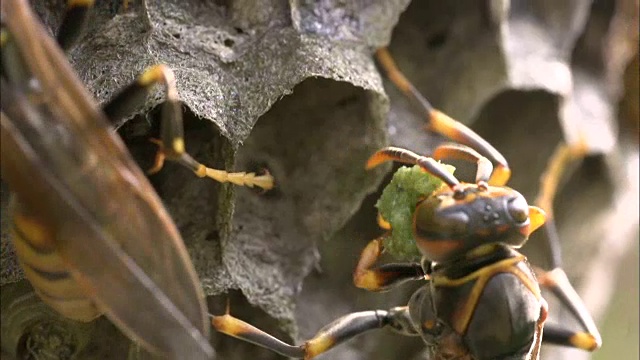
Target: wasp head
(449,222)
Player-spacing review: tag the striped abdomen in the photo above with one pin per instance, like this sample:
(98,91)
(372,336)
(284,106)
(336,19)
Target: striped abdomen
(35,246)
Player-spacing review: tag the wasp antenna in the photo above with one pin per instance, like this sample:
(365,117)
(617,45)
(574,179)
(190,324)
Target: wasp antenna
(409,157)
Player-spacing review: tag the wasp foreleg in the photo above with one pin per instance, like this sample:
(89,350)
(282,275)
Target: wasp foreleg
(383,277)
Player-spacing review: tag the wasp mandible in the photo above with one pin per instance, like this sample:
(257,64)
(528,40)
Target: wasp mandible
(89,230)
(482,299)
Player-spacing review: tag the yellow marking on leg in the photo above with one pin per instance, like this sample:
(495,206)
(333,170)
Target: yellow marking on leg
(231,326)
(584,341)
(500,176)
(368,280)
(558,279)
(152,75)
(265,181)
(550,179)
(363,277)
(384,224)
(317,346)
(178,145)
(378,158)
(158,163)
(457,131)
(201,171)
(395,75)
(158,73)
(443,124)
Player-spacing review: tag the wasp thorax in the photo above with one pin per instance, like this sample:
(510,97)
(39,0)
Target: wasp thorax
(447,225)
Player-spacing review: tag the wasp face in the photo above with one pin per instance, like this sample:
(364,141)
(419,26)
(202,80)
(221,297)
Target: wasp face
(447,223)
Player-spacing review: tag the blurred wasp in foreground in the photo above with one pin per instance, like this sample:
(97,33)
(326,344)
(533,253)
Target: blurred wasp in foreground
(89,230)
(482,300)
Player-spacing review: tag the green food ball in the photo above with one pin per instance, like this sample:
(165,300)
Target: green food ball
(397,204)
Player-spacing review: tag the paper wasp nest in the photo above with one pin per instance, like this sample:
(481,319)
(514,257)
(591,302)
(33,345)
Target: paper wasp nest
(291,86)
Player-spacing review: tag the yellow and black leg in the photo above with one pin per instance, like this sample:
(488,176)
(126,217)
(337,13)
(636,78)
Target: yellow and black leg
(339,331)
(382,277)
(556,280)
(172,140)
(72,26)
(443,124)
(74,22)
(589,337)
(562,157)
(171,143)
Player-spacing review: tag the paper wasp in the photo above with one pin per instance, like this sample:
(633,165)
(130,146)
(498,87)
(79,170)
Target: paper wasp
(89,230)
(482,299)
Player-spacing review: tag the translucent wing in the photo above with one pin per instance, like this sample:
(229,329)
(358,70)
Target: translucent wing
(62,159)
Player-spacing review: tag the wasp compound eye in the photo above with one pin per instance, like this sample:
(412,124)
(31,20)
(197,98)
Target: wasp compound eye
(455,222)
(518,209)
(441,223)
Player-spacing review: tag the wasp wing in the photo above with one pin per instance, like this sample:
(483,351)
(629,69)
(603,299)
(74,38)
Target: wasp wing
(63,160)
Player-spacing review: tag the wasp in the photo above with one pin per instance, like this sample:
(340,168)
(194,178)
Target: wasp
(481,299)
(89,230)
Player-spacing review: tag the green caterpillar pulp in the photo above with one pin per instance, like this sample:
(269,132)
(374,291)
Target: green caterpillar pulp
(397,204)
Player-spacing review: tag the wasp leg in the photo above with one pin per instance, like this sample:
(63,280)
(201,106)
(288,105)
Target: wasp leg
(409,157)
(74,22)
(337,332)
(443,124)
(556,280)
(589,339)
(171,144)
(384,224)
(561,158)
(382,277)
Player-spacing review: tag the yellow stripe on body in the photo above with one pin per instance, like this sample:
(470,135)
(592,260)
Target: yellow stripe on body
(83,310)
(483,275)
(46,270)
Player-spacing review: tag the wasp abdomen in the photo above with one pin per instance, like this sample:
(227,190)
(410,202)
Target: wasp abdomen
(34,243)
